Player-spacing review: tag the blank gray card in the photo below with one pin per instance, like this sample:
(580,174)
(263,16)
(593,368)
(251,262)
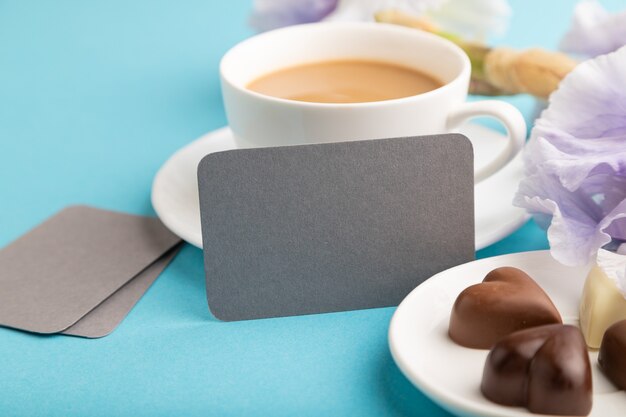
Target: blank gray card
(331,227)
(105,318)
(61,270)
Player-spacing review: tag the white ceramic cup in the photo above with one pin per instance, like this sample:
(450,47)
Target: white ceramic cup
(258,120)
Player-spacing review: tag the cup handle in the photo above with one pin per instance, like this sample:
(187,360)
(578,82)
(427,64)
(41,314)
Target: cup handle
(508,115)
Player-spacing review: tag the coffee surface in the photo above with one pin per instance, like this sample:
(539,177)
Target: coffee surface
(345,81)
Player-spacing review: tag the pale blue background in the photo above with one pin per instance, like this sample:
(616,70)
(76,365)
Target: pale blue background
(94,97)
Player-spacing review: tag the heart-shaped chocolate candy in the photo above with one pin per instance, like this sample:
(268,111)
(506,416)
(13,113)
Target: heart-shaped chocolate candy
(506,301)
(545,369)
(612,356)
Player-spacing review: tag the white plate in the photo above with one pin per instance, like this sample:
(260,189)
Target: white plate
(175,187)
(450,374)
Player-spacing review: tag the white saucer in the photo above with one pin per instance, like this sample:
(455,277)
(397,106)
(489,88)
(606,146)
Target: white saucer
(175,187)
(451,374)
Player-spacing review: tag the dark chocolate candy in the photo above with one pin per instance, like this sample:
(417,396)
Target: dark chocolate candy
(506,301)
(612,356)
(545,369)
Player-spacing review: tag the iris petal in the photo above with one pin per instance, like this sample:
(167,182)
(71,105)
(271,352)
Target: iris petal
(576,161)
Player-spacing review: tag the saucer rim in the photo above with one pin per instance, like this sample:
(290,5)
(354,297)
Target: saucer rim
(181,229)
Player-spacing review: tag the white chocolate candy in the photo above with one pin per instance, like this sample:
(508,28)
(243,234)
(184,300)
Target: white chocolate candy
(602,302)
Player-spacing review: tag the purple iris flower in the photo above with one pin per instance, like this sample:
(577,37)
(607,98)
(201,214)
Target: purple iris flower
(272,14)
(575,182)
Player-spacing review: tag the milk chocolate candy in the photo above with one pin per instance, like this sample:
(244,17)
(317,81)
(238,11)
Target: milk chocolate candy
(506,301)
(545,369)
(612,356)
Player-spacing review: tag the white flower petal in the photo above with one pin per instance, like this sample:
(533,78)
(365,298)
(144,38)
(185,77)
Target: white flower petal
(473,18)
(364,10)
(594,31)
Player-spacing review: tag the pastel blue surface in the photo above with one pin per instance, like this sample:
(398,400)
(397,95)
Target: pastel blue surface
(94,97)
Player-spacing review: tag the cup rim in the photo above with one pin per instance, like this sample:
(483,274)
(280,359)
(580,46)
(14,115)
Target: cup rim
(445,43)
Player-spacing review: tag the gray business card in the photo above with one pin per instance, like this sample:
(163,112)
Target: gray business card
(105,318)
(57,273)
(332,227)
